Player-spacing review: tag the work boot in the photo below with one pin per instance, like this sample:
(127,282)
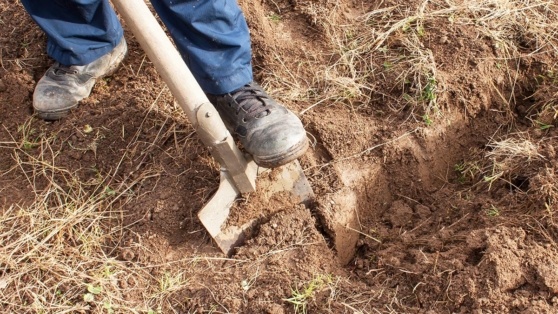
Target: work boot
(272,134)
(63,86)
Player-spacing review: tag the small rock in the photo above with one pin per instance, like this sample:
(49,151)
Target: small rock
(76,155)
(549,276)
(399,214)
(127,254)
(3,86)
(394,261)
(483,301)
(251,294)
(359,264)
(423,211)
(275,309)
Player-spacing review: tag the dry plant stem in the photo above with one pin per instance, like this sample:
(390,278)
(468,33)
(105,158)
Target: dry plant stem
(364,234)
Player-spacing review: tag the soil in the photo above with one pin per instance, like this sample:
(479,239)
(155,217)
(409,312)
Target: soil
(401,220)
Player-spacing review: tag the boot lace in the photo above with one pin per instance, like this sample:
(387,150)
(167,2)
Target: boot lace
(61,69)
(251,99)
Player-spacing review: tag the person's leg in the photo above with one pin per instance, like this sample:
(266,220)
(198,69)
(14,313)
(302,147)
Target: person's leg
(85,38)
(78,31)
(214,40)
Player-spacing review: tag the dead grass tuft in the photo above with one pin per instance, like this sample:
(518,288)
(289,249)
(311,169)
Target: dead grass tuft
(504,159)
(382,52)
(58,250)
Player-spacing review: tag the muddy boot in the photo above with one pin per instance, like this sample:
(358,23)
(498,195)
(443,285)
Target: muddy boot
(62,87)
(273,135)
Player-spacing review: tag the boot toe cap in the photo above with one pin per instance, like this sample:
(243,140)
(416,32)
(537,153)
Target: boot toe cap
(52,102)
(278,143)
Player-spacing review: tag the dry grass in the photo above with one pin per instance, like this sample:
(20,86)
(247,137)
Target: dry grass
(515,25)
(382,53)
(503,159)
(58,250)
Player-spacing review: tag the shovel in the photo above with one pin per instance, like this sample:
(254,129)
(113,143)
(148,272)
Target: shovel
(238,174)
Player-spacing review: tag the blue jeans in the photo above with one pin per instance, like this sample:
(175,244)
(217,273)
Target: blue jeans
(211,35)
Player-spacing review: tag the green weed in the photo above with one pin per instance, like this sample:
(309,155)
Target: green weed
(543,126)
(274,17)
(427,120)
(29,137)
(300,298)
(493,211)
(429,91)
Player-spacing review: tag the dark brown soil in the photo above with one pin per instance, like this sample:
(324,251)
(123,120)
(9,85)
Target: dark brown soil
(402,221)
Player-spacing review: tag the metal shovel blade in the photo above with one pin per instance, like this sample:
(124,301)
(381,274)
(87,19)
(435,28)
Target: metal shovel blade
(288,178)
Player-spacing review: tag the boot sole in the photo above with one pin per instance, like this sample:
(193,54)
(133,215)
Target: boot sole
(54,115)
(284,158)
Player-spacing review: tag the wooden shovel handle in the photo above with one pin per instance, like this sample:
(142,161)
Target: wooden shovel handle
(186,91)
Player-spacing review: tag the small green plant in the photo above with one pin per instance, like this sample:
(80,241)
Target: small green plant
(388,65)
(167,281)
(171,282)
(274,17)
(427,120)
(429,97)
(551,77)
(492,178)
(159,310)
(467,171)
(109,191)
(461,168)
(108,306)
(92,291)
(429,91)
(300,298)
(407,97)
(421,31)
(29,139)
(543,126)
(493,211)
(409,23)
(451,18)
